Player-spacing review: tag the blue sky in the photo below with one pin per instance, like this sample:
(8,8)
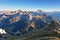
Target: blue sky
(46,5)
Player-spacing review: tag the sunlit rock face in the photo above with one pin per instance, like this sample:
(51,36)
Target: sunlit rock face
(9,12)
(36,24)
(15,19)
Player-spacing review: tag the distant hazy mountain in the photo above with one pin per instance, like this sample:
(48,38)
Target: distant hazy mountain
(36,13)
(56,15)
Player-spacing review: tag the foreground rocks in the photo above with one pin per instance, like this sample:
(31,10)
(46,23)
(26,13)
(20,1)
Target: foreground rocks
(39,35)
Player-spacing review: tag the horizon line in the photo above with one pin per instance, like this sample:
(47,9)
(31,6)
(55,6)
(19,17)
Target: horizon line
(49,10)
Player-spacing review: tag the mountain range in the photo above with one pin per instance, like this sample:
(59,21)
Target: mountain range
(24,22)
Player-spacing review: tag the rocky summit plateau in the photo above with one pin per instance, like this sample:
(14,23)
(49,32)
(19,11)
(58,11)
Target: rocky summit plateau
(29,25)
